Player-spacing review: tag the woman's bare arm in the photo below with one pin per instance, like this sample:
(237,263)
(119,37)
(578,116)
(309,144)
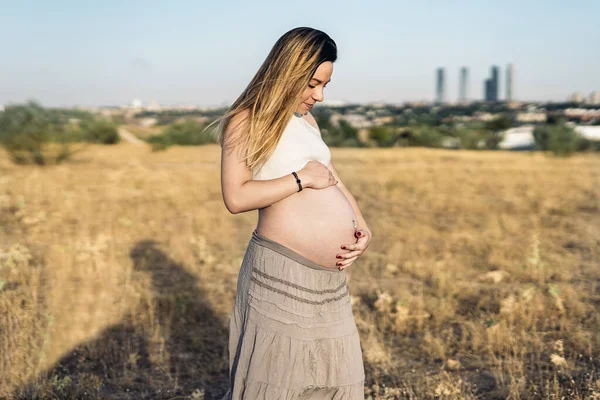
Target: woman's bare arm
(362,224)
(240,192)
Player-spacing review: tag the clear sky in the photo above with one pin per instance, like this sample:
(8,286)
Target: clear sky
(88,53)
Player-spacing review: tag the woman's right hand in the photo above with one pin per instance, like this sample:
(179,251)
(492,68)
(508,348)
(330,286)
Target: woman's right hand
(316,175)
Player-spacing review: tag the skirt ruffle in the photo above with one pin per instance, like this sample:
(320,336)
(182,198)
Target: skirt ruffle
(292,330)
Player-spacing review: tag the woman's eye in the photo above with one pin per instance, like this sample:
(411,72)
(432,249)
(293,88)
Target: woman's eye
(310,86)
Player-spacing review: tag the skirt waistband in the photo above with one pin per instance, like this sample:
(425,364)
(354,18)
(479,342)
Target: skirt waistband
(286,251)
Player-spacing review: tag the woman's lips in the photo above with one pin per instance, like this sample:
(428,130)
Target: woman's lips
(308,105)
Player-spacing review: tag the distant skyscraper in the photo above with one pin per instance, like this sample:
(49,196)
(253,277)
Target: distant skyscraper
(462,90)
(576,97)
(496,82)
(594,98)
(491,85)
(509,82)
(440,86)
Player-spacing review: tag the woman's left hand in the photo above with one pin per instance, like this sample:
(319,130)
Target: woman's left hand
(355,249)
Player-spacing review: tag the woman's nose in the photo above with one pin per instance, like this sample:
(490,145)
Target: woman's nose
(318,96)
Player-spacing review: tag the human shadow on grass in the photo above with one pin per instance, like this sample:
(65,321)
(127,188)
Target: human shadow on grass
(184,350)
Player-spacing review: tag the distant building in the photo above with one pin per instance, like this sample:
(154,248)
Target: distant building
(536,116)
(509,82)
(462,90)
(491,85)
(496,82)
(576,97)
(388,119)
(588,132)
(136,103)
(355,120)
(484,116)
(187,107)
(440,86)
(335,103)
(594,98)
(520,138)
(153,106)
(583,114)
(148,121)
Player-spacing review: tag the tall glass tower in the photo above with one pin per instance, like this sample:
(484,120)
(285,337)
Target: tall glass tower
(462,90)
(492,84)
(440,85)
(509,82)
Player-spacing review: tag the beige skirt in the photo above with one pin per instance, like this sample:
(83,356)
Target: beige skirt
(292,330)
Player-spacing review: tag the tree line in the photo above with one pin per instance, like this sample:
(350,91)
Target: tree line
(31,133)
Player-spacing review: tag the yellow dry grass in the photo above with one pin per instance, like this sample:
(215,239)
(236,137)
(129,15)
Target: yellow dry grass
(118,273)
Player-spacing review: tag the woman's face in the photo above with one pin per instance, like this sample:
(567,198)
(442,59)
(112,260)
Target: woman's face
(314,90)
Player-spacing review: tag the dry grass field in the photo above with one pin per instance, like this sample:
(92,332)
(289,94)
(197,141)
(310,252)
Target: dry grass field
(118,273)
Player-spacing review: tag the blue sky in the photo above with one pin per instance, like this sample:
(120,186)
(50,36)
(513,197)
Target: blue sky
(86,53)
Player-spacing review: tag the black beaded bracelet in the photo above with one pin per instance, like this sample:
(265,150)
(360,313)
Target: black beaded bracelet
(297,181)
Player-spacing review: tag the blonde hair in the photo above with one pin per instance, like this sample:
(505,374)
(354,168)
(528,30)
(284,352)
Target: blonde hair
(274,92)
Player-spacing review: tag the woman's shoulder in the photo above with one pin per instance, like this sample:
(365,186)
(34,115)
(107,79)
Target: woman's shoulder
(311,120)
(236,125)
(238,118)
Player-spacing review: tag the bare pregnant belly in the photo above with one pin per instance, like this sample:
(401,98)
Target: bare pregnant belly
(313,222)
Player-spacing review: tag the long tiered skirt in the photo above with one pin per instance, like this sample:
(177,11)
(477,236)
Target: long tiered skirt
(292,330)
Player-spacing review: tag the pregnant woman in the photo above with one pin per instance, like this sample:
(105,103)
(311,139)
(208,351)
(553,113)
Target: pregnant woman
(292,330)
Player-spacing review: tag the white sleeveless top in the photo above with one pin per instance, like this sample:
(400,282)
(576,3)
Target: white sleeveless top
(299,143)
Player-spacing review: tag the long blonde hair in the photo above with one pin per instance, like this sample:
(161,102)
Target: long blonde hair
(274,92)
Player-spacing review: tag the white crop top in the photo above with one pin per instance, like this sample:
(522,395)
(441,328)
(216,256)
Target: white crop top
(299,143)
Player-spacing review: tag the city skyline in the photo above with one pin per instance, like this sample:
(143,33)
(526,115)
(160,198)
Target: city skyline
(491,85)
(64,53)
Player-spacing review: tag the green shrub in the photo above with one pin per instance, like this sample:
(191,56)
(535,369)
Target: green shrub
(469,138)
(342,135)
(564,141)
(492,140)
(383,136)
(474,138)
(500,123)
(561,140)
(32,134)
(99,131)
(541,135)
(188,133)
(424,136)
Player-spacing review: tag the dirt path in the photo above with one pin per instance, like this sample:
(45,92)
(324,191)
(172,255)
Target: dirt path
(128,136)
